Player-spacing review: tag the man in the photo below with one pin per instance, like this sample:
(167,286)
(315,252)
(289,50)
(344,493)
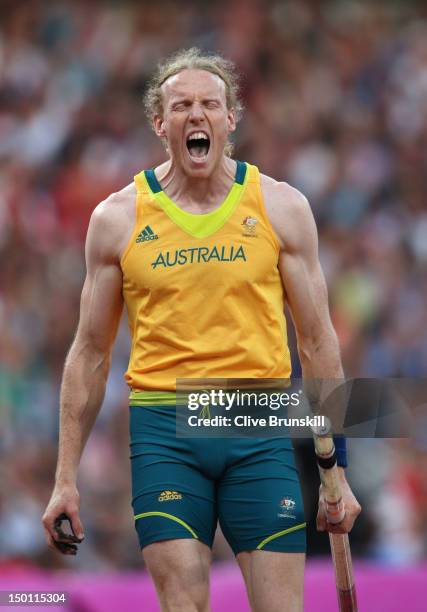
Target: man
(204,251)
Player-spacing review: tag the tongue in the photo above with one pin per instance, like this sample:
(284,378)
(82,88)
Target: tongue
(198,150)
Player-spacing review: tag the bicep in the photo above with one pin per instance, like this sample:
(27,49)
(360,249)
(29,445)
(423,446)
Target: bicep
(306,293)
(302,275)
(101,306)
(101,302)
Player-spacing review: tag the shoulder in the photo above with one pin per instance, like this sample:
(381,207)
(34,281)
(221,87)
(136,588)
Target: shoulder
(289,212)
(112,222)
(117,205)
(282,196)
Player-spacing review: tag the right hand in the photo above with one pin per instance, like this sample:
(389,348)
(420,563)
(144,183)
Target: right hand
(65,500)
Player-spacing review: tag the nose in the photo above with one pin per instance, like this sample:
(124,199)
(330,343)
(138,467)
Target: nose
(196,112)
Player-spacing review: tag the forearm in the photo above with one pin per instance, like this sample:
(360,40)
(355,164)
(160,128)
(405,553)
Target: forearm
(322,370)
(320,356)
(82,393)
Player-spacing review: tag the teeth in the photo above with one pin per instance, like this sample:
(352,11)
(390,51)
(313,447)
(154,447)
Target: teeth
(198,136)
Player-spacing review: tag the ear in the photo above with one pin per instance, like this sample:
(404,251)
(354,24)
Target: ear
(159,126)
(231,120)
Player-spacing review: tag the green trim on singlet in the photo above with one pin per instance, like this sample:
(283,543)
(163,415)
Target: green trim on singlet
(152,398)
(280,533)
(241,170)
(170,398)
(152,181)
(202,225)
(169,516)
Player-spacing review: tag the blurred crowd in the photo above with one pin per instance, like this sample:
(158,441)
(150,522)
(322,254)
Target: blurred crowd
(336,104)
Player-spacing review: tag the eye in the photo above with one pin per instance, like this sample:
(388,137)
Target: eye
(179,107)
(211,104)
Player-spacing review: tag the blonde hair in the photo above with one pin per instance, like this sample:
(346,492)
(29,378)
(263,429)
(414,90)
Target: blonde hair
(194,59)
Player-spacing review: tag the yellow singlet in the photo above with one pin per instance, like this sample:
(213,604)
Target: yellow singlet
(203,292)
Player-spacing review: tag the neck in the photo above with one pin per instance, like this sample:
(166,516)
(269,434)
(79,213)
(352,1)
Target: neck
(196,194)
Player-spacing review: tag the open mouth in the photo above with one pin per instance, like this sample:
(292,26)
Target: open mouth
(198,145)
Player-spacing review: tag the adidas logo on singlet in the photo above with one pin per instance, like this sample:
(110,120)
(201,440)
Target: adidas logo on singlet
(146,234)
(169,496)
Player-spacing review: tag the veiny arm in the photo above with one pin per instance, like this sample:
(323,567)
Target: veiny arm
(306,290)
(307,297)
(86,367)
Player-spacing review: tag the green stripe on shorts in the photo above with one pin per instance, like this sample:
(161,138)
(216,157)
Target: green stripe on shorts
(168,516)
(280,533)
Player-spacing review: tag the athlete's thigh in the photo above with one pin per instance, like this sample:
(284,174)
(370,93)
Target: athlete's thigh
(260,504)
(274,580)
(180,570)
(171,498)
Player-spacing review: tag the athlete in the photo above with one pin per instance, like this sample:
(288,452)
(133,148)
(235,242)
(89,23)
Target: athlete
(205,252)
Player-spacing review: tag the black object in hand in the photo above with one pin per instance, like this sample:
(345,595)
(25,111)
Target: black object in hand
(67,541)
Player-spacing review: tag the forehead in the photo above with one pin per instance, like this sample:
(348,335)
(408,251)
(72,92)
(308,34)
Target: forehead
(189,83)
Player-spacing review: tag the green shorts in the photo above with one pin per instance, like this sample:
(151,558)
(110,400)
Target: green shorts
(182,487)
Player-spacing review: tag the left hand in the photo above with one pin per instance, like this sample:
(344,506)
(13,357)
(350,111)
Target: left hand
(351,506)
